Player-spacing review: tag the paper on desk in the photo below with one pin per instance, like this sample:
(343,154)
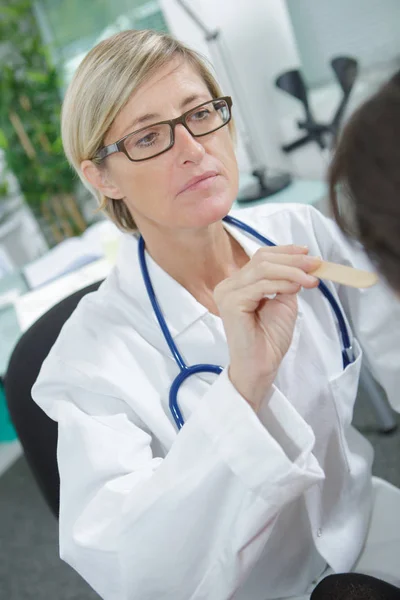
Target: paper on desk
(8,297)
(31,306)
(72,254)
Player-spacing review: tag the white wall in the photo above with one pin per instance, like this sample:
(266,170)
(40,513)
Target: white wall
(366,29)
(258,37)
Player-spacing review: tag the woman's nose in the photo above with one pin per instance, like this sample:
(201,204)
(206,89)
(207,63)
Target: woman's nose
(188,147)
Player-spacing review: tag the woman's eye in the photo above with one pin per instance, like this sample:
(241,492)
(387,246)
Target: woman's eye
(147,140)
(201,115)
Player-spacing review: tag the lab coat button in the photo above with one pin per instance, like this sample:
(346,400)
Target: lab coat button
(319,532)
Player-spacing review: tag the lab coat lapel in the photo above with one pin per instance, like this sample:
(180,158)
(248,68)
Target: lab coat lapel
(179,308)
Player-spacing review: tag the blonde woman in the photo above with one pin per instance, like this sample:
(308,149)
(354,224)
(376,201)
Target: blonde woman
(204,394)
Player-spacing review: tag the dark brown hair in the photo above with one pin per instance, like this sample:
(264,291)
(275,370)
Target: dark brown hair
(365,173)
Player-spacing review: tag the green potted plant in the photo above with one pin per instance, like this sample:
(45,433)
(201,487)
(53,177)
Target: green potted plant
(30,124)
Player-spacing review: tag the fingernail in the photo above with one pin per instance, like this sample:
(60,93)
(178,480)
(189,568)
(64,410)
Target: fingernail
(312,279)
(313,261)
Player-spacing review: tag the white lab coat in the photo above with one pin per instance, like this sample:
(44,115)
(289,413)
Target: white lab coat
(234,505)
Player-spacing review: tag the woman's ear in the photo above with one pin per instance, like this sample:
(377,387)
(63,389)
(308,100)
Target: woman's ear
(98,178)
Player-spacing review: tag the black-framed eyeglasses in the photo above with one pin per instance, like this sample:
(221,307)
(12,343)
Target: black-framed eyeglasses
(157,138)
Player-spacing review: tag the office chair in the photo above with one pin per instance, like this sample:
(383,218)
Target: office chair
(324,134)
(36,431)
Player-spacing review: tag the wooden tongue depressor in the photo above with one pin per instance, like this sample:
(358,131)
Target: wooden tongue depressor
(345,275)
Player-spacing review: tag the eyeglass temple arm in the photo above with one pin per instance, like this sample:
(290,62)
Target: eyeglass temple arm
(104,152)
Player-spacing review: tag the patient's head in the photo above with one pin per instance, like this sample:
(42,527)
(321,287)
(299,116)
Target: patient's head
(365,173)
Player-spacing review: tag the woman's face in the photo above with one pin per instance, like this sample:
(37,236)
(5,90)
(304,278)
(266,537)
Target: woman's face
(154,190)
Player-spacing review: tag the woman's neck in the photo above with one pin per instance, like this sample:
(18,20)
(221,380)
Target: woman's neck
(198,260)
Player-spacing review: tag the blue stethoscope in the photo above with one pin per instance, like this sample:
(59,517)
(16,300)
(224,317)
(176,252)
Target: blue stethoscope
(186,371)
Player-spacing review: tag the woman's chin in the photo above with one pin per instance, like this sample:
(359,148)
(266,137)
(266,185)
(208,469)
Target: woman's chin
(212,209)
(207,209)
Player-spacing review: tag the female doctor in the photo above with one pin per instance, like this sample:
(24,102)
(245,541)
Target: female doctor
(246,481)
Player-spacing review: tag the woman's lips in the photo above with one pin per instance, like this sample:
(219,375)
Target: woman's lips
(200,182)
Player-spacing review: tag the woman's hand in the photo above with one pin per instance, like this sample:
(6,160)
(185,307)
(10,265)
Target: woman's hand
(259,330)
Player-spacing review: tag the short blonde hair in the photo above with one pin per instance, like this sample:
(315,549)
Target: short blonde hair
(103,84)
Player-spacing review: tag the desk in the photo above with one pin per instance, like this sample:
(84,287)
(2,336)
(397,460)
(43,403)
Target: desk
(32,305)
(9,326)
(9,334)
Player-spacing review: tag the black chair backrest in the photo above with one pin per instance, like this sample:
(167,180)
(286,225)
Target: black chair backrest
(346,70)
(36,431)
(292,83)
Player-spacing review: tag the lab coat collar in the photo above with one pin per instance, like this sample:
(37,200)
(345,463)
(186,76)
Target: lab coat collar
(179,307)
